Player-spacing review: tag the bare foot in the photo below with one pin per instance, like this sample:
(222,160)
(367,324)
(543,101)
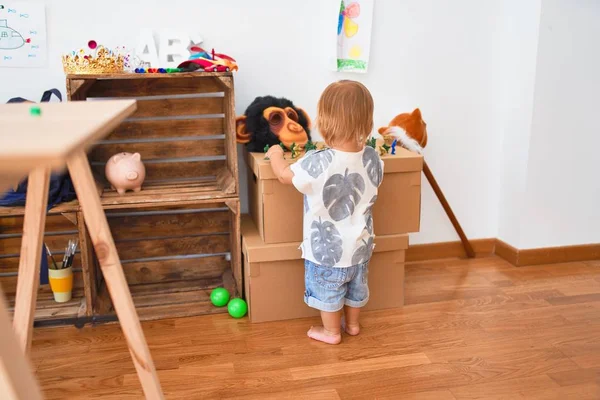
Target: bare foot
(350,329)
(319,333)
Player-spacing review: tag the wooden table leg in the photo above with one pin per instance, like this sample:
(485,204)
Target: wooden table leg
(110,264)
(16,375)
(31,252)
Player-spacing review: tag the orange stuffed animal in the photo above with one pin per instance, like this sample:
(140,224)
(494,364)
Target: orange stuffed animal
(409,129)
(411,132)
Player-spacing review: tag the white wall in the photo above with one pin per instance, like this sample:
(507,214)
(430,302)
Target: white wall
(468,64)
(515,50)
(562,200)
(431,54)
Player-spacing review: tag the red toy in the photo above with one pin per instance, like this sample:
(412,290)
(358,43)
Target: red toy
(216,62)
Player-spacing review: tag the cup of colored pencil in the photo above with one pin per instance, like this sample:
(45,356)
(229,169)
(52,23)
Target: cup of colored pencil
(61,275)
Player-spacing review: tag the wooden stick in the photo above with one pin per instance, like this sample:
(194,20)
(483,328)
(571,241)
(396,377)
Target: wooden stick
(448,209)
(87,265)
(16,373)
(31,252)
(236,243)
(110,264)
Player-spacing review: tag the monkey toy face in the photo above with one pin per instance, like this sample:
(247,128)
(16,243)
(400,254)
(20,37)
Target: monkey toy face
(270,121)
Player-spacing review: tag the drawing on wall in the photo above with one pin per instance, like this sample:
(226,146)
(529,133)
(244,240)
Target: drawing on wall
(22,34)
(354,35)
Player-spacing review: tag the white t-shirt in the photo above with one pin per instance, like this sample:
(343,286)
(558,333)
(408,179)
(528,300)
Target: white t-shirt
(339,190)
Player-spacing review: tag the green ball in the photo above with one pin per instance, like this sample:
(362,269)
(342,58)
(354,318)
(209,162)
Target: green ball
(219,297)
(237,308)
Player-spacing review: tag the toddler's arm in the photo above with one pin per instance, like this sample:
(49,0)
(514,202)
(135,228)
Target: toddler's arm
(280,167)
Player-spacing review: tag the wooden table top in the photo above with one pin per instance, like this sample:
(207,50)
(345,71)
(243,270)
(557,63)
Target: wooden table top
(28,141)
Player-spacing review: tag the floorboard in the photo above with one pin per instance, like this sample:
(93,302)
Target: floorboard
(471,329)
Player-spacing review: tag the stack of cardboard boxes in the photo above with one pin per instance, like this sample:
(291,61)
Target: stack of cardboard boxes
(272,233)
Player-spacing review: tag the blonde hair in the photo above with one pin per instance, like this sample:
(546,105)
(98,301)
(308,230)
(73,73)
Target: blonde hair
(345,113)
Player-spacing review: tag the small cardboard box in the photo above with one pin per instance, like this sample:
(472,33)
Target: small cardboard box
(274,276)
(397,210)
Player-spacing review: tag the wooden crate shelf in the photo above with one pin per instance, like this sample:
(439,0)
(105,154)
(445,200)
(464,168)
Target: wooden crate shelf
(179,237)
(184,128)
(173,256)
(173,237)
(60,227)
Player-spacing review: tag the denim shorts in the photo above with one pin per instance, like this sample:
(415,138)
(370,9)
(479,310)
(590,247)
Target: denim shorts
(329,289)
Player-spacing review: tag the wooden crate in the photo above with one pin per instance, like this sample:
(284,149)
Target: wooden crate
(61,225)
(174,256)
(174,235)
(171,236)
(184,128)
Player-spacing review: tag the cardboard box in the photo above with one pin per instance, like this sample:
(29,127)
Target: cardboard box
(397,210)
(274,276)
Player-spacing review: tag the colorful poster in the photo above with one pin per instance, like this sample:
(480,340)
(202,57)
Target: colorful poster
(354,35)
(22,34)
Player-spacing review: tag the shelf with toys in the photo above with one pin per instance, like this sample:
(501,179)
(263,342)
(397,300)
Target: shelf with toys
(168,180)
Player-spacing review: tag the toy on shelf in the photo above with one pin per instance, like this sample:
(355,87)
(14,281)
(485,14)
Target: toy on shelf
(269,121)
(409,129)
(158,70)
(214,62)
(310,146)
(97,60)
(372,142)
(125,171)
(384,149)
(295,149)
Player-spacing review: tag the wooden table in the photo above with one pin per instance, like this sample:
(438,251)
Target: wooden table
(38,145)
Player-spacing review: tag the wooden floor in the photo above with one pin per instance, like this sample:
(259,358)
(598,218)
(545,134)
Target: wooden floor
(476,329)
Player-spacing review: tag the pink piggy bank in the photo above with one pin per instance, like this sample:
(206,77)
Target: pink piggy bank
(125,171)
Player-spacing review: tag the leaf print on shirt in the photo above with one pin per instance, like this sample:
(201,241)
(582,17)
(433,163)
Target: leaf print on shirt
(363,253)
(326,243)
(341,193)
(369,215)
(306,206)
(372,164)
(314,163)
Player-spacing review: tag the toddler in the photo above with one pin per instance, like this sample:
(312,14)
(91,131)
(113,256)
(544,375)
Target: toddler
(339,185)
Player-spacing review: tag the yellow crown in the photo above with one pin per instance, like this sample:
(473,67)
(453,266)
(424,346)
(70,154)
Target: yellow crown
(103,62)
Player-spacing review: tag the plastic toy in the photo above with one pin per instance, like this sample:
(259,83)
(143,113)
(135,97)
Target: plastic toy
(157,70)
(294,148)
(372,142)
(35,111)
(224,61)
(237,308)
(219,297)
(394,143)
(98,59)
(384,149)
(215,62)
(310,146)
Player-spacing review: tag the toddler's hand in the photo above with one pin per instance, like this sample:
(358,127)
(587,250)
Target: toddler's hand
(274,151)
